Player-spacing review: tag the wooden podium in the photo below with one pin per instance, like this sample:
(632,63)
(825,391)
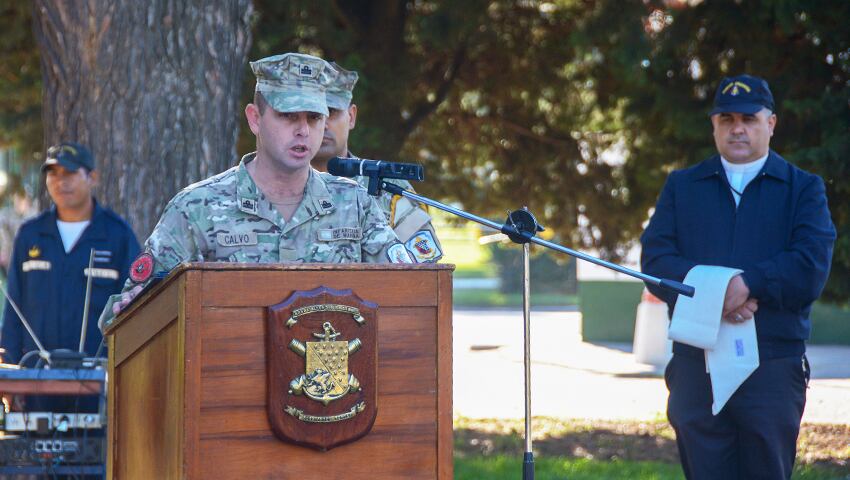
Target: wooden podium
(188,381)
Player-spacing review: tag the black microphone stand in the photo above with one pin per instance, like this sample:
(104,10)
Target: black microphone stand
(521,227)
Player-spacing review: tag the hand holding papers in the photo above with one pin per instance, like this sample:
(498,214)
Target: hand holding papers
(731,349)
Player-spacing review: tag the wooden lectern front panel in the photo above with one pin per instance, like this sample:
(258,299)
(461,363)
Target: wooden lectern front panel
(188,393)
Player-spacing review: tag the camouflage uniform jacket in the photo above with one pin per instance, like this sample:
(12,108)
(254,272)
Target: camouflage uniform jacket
(226,218)
(410,221)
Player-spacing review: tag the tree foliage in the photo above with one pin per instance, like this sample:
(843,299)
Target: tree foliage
(578,109)
(661,62)
(490,95)
(20,79)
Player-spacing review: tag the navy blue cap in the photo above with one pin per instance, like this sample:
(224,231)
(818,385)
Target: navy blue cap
(70,155)
(742,94)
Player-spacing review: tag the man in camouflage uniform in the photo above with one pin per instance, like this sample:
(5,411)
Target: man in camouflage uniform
(273,207)
(409,219)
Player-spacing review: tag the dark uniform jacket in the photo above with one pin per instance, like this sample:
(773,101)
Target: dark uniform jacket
(780,235)
(49,285)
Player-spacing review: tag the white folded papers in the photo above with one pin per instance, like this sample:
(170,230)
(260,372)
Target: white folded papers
(731,350)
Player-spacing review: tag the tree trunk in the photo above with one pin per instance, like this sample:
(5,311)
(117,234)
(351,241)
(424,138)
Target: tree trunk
(151,87)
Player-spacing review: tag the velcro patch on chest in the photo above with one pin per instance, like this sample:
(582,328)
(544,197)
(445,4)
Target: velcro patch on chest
(236,239)
(30,265)
(107,273)
(343,233)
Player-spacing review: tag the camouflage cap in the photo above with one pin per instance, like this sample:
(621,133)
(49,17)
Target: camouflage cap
(294,82)
(340,90)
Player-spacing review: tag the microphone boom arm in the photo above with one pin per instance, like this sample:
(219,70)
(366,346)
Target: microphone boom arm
(520,235)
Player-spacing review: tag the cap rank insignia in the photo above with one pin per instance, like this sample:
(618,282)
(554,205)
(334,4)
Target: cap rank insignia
(734,86)
(305,70)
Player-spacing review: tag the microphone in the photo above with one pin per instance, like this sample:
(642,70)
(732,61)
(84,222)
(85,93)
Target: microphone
(354,167)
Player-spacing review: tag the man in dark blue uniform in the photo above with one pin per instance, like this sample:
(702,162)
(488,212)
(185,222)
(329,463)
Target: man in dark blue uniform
(745,208)
(49,267)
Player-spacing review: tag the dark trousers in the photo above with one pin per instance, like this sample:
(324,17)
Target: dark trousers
(755,434)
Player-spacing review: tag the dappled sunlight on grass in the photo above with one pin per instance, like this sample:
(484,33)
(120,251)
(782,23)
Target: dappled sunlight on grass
(579,449)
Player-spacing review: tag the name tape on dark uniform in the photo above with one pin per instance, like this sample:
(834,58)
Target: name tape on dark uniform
(109,273)
(30,265)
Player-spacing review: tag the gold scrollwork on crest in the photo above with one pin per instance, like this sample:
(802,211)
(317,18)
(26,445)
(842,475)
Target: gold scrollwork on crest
(304,417)
(325,307)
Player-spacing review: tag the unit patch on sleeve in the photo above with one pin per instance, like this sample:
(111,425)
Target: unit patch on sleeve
(423,247)
(142,268)
(398,254)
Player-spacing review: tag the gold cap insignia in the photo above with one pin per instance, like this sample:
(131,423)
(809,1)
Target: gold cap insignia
(735,86)
(34,252)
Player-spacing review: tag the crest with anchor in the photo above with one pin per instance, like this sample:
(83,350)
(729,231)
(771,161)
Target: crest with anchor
(322,367)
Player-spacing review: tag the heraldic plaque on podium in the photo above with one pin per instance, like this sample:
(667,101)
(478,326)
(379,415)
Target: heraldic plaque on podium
(322,367)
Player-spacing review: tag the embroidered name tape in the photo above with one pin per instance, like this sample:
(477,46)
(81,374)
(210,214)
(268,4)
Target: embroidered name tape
(344,233)
(30,265)
(236,239)
(102,273)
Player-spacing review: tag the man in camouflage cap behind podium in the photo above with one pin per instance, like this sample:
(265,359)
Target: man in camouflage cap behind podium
(408,218)
(272,207)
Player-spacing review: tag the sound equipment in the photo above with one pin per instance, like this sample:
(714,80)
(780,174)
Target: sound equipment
(47,422)
(23,451)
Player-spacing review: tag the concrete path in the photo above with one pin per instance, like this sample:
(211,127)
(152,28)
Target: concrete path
(574,379)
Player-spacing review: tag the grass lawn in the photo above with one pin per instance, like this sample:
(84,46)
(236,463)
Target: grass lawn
(587,449)
(551,468)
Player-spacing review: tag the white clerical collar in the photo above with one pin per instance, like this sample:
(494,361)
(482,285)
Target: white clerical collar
(755,165)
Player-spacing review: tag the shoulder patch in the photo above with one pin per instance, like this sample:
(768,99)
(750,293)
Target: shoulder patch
(142,268)
(398,254)
(423,247)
